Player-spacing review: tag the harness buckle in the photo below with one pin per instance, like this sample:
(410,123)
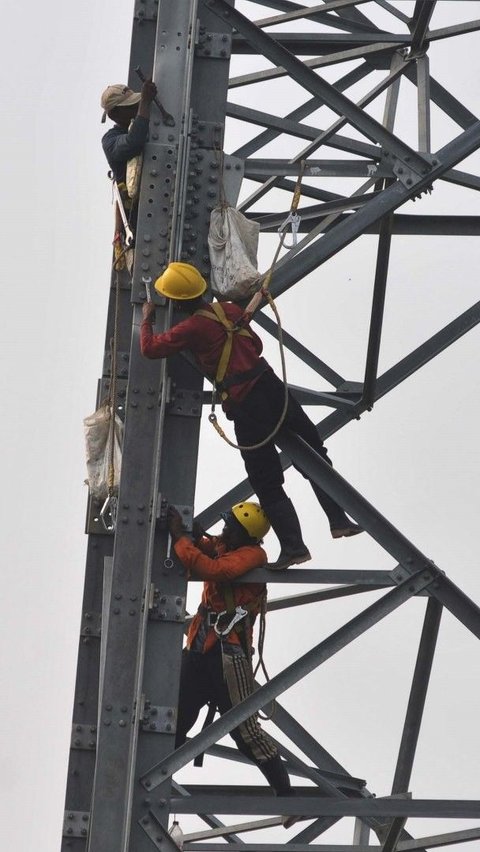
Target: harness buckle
(223,631)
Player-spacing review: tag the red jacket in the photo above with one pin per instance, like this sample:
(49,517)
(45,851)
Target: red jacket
(205,339)
(209,561)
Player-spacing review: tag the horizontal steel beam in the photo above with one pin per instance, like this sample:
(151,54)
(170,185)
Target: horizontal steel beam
(314,805)
(415,226)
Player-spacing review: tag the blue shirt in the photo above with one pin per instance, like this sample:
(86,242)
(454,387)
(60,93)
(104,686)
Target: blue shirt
(121,145)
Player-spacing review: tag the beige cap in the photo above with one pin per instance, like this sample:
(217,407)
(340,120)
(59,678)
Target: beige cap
(117,95)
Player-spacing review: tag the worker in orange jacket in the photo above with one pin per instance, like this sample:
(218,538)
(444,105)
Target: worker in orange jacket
(217,662)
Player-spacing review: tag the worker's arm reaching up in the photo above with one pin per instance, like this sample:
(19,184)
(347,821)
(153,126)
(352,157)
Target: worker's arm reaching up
(225,565)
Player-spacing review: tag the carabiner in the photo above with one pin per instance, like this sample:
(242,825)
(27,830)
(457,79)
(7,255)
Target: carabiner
(294,220)
(109,509)
(238,615)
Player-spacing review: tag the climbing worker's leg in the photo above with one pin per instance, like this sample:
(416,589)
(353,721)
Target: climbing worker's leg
(340,524)
(266,477)
(253,420)
(234,683)
(297,422)
(195,692)
(284,521)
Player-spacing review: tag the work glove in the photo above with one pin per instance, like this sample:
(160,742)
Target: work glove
(174,522)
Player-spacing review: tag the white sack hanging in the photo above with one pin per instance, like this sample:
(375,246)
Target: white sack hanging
(98,442)
(232,244)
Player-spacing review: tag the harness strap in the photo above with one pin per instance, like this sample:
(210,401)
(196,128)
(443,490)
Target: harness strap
(245,376)
(220,316)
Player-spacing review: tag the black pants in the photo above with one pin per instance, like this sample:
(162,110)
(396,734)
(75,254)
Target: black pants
(254,418)
(209,678)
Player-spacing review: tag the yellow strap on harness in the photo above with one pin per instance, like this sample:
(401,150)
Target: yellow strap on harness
(231,329)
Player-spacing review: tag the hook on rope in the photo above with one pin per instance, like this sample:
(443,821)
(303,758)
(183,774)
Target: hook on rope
(294,220)
(108,513)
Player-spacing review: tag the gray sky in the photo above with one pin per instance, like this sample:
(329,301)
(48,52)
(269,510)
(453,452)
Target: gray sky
(415,456)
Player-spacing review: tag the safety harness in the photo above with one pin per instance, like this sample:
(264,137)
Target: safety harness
(222,384)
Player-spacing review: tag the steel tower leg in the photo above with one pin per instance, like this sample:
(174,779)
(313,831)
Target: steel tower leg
(120,792)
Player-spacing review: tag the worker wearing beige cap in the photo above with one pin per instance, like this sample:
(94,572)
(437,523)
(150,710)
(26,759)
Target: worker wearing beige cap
(131,112)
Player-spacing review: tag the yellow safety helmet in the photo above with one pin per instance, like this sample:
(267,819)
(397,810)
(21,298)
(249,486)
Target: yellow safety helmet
(181,281)
(252,518)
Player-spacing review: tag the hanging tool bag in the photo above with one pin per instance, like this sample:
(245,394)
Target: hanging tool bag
(232,244)
(99,435)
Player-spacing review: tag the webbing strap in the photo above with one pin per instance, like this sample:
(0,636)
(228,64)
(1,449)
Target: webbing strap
(230,328)
(228,594)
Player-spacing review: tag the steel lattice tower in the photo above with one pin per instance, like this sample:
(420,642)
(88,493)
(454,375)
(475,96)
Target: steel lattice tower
(120,793)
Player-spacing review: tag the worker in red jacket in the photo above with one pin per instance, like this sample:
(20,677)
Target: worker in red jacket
(252,396)
(217,662)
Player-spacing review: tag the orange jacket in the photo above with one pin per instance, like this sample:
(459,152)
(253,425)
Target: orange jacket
(209,561)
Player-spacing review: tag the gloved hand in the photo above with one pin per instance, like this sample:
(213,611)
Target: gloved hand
(174,522)
(197,531)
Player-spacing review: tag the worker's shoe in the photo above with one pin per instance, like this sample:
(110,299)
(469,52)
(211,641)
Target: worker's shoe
(285,523)
(288,821)
(287,558)
(346,531)
(291,820)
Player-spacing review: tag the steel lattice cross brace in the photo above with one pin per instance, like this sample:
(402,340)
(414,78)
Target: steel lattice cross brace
(121,792)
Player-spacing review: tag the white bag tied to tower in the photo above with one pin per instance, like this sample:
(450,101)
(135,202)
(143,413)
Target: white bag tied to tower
(133,176)
(232,244)
(98,444)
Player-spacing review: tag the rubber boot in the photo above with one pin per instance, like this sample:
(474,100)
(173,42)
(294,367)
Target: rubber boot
(286,525)
(340,525)
(277,776)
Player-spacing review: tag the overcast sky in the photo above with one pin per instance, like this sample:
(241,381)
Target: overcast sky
(415,456)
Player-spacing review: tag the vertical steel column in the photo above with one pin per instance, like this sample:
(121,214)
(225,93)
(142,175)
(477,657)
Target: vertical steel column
(361,833)
(82,759)
(423,99)
(143,610)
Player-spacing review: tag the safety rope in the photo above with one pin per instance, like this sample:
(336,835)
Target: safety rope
(264,293)
(261,663)
(109,507)
(113,386)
